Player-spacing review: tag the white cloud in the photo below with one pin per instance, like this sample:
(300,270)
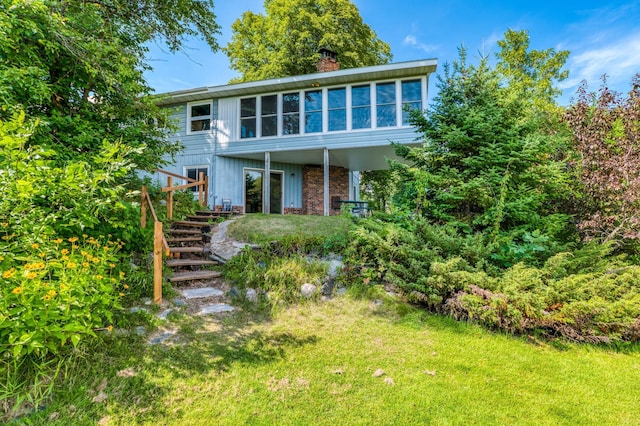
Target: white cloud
(412,41)
(618,59)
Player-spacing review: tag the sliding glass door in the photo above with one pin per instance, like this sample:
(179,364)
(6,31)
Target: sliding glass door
(254,191)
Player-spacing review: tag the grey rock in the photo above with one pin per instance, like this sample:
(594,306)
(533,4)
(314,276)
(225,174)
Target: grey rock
(140,330)
(216,308)
(164,314)
(146,301)
(233,293)
(341,290)
(308,290)
(327,287)
(179,303)
(335,266)
(162,337)
(136,309)
(196,293)
(251,295)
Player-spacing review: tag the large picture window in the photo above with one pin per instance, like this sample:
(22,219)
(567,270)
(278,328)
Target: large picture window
(269,111)
(361,107)
(248,118)
(291,114)
(386,104)
(200,117)
(411,98)
(337,109)
(313,111)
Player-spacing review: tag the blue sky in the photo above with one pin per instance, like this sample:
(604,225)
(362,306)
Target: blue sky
(603,37)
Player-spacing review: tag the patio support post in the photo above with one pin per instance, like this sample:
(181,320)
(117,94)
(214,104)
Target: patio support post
(266,206)
(326,182)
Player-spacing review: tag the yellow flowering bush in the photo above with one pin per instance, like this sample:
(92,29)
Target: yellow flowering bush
(57,293)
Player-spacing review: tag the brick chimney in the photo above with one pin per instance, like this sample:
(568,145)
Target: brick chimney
(328,61)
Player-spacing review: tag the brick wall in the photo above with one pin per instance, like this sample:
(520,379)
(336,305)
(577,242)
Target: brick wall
(313,188)
(328,64)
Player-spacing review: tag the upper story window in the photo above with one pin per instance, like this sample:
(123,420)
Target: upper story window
(199,117)
(337,109)
(411,98)
(248,118)
(386,104)
(313,111)
(361,107)
(269,111)
(291,113)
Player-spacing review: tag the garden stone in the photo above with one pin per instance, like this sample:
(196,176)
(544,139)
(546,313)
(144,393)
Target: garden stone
(216,308)
(196,293)
(327,287)
(341,290)
(251,295)
(136,309)
(308,290)
(140,330)
(233,293)
(164,314)
(146,301)
(179,303)
(335,266)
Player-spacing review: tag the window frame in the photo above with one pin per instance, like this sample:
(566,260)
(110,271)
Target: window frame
(191,118)
(197,167)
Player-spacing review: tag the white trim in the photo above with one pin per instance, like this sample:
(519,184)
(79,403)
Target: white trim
(199,117)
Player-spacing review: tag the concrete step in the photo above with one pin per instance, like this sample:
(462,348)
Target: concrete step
(193,275)
(185,240)
(176,263)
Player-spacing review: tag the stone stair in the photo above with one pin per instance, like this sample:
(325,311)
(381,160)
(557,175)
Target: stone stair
(194,275)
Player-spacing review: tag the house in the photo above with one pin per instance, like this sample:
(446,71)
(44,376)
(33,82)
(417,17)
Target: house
(309,134)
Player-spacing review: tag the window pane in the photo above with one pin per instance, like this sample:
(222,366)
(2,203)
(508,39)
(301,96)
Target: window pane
(406,114)
(313,111)
(291,124)
(386,93)
(337,98)
(200,110)
(290,102)
(194,173)
(248,128)
(361,96)
(200,125)
(248,107)
(313,100)
(361,118)
(337,119)
(269,105)
(270,125)
(313,122)
(411,91)
(386,115)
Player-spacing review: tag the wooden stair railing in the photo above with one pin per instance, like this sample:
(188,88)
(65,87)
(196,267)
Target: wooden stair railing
(159,243)
(202,184)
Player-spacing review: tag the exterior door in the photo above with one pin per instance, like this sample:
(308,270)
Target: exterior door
(254,191)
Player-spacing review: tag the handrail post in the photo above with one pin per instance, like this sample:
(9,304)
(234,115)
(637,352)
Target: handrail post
(170,198)
(200,189)
(157,263)
(143,207)
(206,192)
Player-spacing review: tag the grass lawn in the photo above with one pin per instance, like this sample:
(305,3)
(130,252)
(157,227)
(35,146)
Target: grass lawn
(314,364)
(263,228)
